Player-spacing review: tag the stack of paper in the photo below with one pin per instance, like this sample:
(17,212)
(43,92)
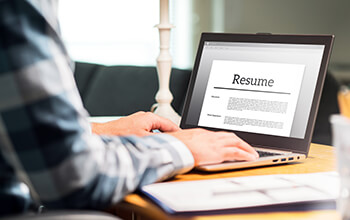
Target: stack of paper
(243,192)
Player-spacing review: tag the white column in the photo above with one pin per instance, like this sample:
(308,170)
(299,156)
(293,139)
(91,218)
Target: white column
(164,60)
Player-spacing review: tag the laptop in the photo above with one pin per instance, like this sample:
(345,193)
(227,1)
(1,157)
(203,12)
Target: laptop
(263,87)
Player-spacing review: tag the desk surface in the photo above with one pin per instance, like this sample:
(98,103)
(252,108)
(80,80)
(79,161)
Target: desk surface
(321,159)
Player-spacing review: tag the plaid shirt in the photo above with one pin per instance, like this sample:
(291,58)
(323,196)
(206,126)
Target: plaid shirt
(47,151)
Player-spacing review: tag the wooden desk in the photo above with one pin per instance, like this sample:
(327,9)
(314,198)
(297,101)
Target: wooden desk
(321,159)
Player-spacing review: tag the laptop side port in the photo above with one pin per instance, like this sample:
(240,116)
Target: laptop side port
(275,160)
(283,159)
(291,158)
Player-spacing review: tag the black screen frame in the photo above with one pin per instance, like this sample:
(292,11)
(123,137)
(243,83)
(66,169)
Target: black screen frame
(296,145)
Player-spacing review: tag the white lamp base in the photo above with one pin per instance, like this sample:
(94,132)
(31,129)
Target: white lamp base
(164,96)
(166,111)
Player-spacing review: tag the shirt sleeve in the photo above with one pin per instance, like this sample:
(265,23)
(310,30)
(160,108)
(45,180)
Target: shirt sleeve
(44,131)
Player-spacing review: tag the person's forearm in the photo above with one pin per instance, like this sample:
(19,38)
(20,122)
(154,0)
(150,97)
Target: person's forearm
(95,128)
(46,131)
(105,171)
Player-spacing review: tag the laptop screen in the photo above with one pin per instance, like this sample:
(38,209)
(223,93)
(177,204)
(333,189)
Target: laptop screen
(262,88)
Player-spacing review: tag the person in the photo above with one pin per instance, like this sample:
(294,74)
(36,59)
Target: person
(51,155)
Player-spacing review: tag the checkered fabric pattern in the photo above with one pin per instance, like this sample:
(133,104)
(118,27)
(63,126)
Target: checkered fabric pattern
(47,152)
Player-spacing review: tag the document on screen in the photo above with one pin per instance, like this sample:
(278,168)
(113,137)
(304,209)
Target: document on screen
(258,97)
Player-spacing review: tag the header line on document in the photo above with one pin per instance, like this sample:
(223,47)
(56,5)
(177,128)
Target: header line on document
(250,90)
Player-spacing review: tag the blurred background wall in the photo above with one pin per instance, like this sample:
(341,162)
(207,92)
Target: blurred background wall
(122,32)
(280,16)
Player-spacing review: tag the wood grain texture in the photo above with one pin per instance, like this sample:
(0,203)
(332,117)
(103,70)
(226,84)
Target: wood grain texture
(321,159)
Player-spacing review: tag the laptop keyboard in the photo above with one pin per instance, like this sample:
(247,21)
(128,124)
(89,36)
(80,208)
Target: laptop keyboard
(266,153)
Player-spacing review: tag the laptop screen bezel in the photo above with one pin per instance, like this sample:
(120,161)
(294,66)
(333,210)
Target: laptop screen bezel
(296,145)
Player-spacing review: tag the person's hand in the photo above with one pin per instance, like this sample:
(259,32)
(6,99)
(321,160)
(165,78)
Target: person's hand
(140,124)
(215,147)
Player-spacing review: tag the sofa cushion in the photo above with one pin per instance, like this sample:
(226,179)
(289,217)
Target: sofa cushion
(122,90)
(84,73)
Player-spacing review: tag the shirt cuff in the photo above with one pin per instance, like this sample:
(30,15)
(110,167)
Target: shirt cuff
(184,154)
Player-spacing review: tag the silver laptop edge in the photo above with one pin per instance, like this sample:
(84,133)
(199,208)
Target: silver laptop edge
(293,146)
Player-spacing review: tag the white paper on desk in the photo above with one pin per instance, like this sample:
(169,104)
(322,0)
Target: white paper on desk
(241,192)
